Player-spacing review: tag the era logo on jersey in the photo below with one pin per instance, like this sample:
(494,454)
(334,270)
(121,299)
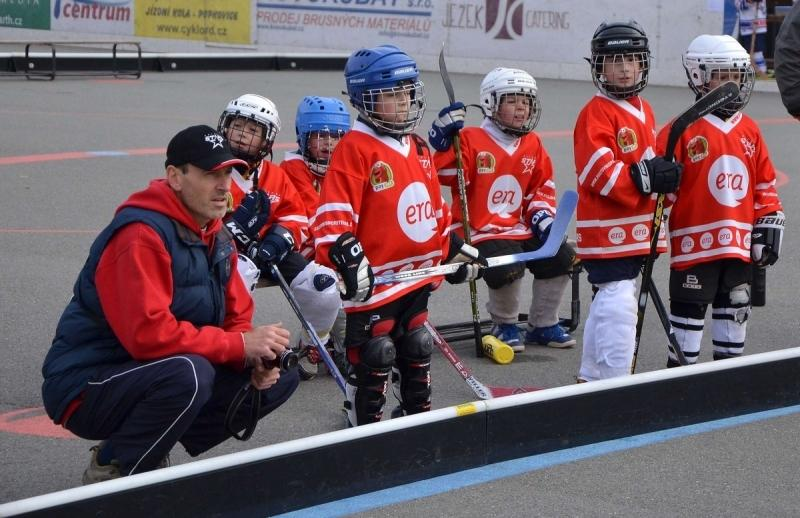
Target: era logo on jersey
(381,177)
(528,164)
(505,196)
(416,214)
(749,147)
(626,140)
(697,149)
(728,180)
(485,162)
(617,235)
(640,232)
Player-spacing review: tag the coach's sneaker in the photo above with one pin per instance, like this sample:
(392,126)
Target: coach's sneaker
(553,336)
(100,472)
(509,334)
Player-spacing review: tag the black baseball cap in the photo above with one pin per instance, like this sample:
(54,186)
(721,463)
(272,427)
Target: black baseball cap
(201,146)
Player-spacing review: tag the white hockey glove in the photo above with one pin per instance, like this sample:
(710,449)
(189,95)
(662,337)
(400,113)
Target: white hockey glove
(473,261)
(765,244)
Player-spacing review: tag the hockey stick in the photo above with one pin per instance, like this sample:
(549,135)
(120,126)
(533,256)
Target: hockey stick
(558,232)
(663,316)
(308,327)
(462,193)
(714,99)
(480,390)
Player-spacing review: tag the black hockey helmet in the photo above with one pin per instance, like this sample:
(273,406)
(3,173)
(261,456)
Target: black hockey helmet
(614,42)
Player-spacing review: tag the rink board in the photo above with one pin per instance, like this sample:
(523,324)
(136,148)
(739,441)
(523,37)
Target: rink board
(314,470)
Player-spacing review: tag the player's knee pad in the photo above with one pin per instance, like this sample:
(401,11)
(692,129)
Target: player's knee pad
(411,377)
(367,380)
(615,310)
(559,264)
(316,293)
(501,276)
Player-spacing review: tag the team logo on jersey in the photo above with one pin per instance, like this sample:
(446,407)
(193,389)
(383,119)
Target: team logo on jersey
(425,163)
(381,177)
(749,147)
(528,165)
(626,139)
(485,162)
(697,149)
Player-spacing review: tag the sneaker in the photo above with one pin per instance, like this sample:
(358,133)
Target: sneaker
(102,472)
(553,336)
(97,472)
(508,333)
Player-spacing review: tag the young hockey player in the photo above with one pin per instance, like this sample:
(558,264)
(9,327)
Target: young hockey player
(319,124)
(726,216)
(618,177)
(511,201)
(269,222)
(381,210)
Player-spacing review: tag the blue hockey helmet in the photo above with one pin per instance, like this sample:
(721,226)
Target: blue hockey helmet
(329,119)
(373,75)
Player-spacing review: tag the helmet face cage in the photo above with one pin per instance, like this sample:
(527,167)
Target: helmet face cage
(396,110)
(713,60)
(621,76)
(527,125)
(620,59)
(251,124)
(317,147)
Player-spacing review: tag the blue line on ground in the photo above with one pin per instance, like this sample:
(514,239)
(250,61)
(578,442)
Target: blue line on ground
(514,467)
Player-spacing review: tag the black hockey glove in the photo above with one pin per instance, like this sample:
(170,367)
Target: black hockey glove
(472,262)
(765,245)
(449,122)
(273,248)
(656,175)
(347,255)
(248,219)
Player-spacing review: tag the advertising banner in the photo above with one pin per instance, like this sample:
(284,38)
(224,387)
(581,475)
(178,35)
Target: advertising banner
(346,25)
(96,16)
(219,21)
(25,14)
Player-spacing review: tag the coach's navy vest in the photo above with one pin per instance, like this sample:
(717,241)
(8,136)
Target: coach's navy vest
(83,337)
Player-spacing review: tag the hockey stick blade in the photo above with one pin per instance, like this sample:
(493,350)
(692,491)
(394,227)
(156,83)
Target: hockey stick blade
(480,390)
(558,231)
(714,99)
(448,86)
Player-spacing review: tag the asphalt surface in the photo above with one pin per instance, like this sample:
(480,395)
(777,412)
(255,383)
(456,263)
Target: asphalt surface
(52,204)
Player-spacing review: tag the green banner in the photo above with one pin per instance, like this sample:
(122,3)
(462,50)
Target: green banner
(25,14)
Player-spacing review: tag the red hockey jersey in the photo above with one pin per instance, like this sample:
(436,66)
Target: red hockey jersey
(308,185)
(614,219)
(385,192)
(505,182)
(728,181)
(286,206)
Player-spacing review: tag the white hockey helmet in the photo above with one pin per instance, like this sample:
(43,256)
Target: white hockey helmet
(712,56)
(504,81)
(260,110)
